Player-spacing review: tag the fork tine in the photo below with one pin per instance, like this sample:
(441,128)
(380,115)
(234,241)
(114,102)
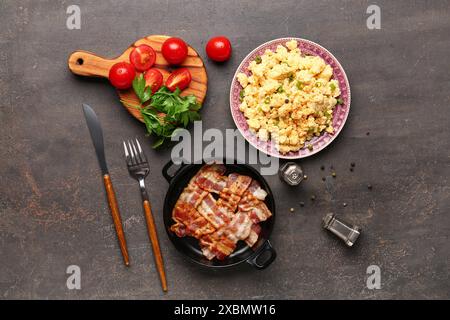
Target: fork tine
(133,159)
(141,153)
(137,155)
(127,154)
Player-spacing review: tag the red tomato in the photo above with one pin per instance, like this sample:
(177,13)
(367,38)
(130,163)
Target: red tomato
(153,79)
(121,75)
(219,49)
(174,50)
(180,78)
(142,57)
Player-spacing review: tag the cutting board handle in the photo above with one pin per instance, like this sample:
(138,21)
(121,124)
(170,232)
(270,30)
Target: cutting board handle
(84,63)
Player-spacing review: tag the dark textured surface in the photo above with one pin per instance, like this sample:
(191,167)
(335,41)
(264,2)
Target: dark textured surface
(53,211)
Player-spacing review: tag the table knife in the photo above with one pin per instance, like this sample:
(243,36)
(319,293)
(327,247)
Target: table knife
(97,139)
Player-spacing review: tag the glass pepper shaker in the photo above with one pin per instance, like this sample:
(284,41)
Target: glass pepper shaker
(347,232)
(291,173)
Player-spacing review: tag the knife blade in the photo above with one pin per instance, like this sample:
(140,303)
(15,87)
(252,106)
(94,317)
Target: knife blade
(95,130)
(96,135)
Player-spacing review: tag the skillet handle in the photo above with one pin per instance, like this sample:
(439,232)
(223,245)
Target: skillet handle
(264,264)
(166,168)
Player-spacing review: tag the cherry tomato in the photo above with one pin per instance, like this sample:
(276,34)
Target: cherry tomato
(153,79)
(174,50)
(142,57)
(180,78)
(219,49)
(121,75)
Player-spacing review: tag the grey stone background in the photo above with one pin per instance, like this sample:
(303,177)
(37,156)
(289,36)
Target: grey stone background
(53,211)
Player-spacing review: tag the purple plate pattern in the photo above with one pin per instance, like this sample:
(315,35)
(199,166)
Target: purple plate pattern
(340,112)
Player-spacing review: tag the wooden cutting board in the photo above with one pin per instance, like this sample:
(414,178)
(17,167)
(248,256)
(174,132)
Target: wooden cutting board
(85,63)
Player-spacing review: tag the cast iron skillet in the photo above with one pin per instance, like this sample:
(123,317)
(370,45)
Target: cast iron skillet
(260,256)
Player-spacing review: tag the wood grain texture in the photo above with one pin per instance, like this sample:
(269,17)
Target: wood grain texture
(115,213)
(84,63)
(151,228)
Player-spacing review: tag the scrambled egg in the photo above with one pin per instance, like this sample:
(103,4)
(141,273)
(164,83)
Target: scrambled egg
(289,97)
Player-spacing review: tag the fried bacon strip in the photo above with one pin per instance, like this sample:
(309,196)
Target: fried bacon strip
(211,212)
(259,213)
(231,194)
(256,190)
(217,245)
(237,184)
(214,222)
(210,178)
(254,235)
(251,202)
(193,195)
(240,226)
(189,222)
(223,242)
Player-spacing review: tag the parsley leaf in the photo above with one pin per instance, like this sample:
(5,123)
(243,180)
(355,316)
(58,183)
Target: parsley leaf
(164,111)
(141,91)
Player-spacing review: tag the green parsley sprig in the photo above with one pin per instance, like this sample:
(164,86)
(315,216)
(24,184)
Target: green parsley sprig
(164,111)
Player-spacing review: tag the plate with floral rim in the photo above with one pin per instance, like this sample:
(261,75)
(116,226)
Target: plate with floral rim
(340,112)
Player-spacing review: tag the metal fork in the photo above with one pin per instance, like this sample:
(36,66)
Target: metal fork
(138,168)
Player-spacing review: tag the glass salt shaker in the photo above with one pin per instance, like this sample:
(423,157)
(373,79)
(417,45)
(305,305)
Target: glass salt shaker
(291,173)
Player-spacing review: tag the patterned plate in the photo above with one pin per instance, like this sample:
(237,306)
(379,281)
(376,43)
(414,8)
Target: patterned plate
(340,112)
